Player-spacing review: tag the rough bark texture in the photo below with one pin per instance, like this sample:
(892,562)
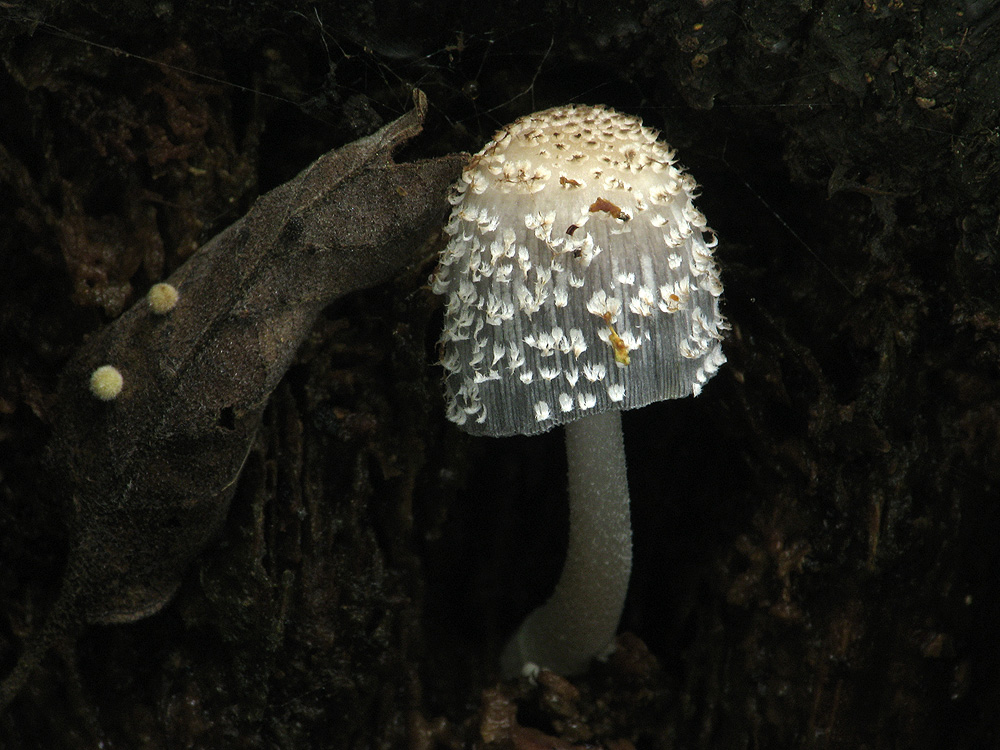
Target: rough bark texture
(815,536)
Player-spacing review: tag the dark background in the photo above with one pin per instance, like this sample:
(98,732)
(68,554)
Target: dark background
(817,536)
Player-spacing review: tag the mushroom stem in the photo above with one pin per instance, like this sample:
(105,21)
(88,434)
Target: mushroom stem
(580,619)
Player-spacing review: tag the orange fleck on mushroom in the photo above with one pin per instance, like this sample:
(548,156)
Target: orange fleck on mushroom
(608,207)
(619,347)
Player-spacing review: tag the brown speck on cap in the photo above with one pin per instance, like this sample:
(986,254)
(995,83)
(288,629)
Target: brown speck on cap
(579,276)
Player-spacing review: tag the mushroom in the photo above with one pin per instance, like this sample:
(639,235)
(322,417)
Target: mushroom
(579,282)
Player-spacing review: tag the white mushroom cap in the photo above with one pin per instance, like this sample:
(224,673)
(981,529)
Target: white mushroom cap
(579,276)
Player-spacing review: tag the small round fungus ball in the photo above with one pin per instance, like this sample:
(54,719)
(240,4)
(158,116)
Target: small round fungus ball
(579,276)
(106,382)
(162,298)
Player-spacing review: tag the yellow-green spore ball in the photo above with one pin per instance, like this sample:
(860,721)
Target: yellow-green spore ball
(106,383)
(162,298)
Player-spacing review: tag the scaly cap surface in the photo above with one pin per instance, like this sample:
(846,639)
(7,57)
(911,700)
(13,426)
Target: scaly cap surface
(577,278)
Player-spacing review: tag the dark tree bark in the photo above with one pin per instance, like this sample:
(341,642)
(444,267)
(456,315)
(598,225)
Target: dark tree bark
(816,535)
